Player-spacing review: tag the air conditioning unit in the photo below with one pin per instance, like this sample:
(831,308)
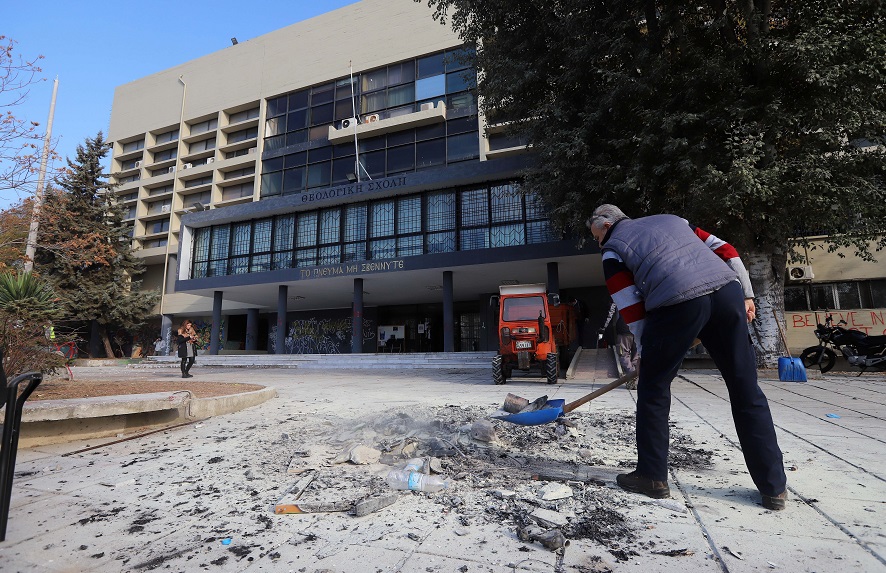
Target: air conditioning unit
(252,149)
(370,118)
(187,166)
(137,164)
(171,169)
(427,106)
(164,208)
(210,160)
(800,273)
(349,123)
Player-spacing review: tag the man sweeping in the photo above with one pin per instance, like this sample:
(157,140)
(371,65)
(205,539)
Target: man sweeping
(673,283)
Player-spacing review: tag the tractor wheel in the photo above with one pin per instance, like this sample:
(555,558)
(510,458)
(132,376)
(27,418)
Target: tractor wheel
(498,376)
(821,358)
(552,368)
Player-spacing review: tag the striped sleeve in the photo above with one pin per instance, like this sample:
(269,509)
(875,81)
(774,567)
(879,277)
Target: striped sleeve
(730,255)
(624,293)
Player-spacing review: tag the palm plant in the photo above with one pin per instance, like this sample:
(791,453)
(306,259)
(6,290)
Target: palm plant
(27,308)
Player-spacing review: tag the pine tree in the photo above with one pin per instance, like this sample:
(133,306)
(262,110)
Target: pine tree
(758,120)
(85,249)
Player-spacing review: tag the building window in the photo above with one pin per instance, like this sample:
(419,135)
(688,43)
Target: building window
(128,179)
(160,190)
(204,126)
(166,136)
(243,115)
(479,217)
(237,191)
(153,243)
(242,135)
(133,146)
(165,155)
(159,226)
(847,295)
(239,172)
(239,152)
(205,180)
(204,145)
(157,207)
(284,233)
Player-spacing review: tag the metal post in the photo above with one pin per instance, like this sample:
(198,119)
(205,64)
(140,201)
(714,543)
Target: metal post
(357,320)
(279,343)
(215,330)
(31,248)
(11,423)
(448,316)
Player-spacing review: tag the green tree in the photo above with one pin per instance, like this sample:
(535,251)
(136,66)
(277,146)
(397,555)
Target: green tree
(759,120)
(27,308)
(85,250)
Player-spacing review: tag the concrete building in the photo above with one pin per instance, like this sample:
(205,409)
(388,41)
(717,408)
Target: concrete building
(332,187)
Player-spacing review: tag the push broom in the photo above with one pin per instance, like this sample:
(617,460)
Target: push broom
(790,369)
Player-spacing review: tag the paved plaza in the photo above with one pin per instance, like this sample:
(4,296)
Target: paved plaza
(200,496)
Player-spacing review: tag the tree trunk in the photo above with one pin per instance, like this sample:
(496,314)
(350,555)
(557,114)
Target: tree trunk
(109,352)
(767,277)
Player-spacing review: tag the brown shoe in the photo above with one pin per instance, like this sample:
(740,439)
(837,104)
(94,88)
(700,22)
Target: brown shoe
(775,502)
(637,483)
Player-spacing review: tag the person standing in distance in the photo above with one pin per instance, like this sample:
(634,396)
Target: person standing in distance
(674,282)
(186,337)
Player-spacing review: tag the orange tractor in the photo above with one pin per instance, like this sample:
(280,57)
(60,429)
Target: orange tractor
(534,332)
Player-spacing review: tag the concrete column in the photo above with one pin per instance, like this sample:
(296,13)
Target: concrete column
(251,329)
(166,333)
(215,331)
(553,278)
(448,316)
(357,318)
(171,273)
(280,341)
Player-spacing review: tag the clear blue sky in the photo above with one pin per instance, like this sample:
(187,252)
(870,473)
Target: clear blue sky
(94,46)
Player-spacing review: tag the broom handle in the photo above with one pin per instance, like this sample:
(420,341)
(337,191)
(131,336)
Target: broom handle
(599,392)
(784,339)
(611,386)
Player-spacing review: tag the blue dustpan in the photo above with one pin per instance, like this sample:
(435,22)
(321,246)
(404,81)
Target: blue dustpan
(552,410)
(791,370)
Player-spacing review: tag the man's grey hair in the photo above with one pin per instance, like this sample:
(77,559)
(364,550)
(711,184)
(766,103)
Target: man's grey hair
(605,214)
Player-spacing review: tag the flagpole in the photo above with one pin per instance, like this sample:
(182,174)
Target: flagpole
(31,248)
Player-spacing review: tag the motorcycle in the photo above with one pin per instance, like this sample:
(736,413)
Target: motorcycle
(862,351)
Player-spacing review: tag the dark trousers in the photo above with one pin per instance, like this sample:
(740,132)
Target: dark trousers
(187,362)
(719,321)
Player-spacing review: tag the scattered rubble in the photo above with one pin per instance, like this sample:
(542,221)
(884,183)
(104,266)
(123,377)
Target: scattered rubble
(548,485)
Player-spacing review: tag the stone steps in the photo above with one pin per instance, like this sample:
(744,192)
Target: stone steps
(430,360)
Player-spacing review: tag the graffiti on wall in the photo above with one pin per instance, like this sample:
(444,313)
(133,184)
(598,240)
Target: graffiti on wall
(801,325)
(869,321)
(319,336)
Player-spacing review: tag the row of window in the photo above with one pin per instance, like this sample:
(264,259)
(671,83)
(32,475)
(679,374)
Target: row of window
(399,89)
(835,296)
(404,151)
(431,222)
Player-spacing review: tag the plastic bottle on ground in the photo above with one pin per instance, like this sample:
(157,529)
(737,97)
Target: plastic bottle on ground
(411,478)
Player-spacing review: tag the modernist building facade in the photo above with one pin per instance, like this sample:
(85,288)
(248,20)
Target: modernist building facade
(333,187)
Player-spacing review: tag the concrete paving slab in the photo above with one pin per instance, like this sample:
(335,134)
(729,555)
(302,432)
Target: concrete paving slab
(195,486)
